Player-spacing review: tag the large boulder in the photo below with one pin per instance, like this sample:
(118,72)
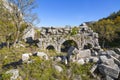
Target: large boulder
(72,50)
(14,73)
(29,34)
(113,53)
(42,55)
(112,71)
(108,78)
(58,68)
(26,57)
(84,53)
(107,61)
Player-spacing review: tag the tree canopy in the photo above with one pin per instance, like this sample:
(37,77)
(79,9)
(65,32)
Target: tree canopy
(108,29)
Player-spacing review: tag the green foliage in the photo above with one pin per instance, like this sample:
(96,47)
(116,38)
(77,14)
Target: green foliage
(113,15)
(40,69)
(108,29)
(6,76)
(83,70)
(7,28)
(74,31)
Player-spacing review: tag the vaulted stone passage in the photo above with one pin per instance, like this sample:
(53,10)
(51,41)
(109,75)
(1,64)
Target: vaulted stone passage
(50,47)
(67,44)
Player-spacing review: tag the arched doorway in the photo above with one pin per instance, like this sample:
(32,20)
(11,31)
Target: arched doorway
(67,44)
(50,47)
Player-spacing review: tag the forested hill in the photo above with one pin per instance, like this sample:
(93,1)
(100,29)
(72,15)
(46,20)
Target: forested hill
(113,15)
(108,29)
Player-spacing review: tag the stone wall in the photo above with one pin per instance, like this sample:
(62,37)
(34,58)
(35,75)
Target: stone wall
(57,36)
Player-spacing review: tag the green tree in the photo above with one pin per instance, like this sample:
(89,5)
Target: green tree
(22,11)
(106,30)
(7,28)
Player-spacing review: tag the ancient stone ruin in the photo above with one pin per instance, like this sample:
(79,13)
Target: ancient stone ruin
(85,50)
(54,38)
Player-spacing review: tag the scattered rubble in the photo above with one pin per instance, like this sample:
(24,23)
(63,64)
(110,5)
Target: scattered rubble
(81,61)
(14,73)
(58,68)
(25,57)
(42,55)
(106,66)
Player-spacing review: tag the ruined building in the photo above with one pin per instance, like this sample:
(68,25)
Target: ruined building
(54,38)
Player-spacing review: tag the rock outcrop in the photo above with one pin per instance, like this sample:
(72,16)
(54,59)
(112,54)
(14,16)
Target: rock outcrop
(107,66)
(29,34)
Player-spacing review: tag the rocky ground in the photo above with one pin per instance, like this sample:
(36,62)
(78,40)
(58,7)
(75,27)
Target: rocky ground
(34,64)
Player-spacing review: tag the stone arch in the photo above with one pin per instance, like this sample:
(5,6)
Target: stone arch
(67,45)
(50,47)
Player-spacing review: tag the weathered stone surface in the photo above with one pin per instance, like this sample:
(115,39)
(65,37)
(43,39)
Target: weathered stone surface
(57,36)
(58,68)
(25,57)
(72,50)
(113,53)
(95,59)
(117,61)
(58,59)
(64,59)
(81,61)
(105,60)
(14,72)
(29,34)
(42,55)
(92,70)
(94,53)
(87,60)
(102,53)
(108,78)
(73,58)
(84,53)
(108,70)
(117,50)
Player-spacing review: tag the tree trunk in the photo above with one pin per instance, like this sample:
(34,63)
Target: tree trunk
(17,34)
(16,39)
(103,44)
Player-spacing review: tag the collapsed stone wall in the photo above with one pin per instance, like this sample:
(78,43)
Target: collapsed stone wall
(57,36)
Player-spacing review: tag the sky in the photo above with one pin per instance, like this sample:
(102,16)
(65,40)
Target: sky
(59,13)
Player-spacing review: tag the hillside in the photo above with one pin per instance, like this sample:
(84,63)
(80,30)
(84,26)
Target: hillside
(109,30)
